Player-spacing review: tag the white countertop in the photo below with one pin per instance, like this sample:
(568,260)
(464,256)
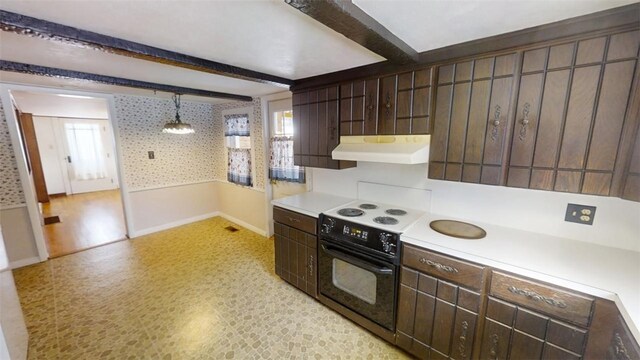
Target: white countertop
(605,272)
(311,203)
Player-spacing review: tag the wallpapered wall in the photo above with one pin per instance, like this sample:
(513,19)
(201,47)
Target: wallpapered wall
(178,159)
(10,187)
(257,145)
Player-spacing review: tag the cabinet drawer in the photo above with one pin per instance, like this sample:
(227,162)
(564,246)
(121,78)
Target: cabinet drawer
(295,220)
(544,298)
(441,266)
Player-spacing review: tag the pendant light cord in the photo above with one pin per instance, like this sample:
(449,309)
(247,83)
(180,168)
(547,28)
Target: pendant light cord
(176,100)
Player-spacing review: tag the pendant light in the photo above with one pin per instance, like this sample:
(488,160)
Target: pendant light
(177,126)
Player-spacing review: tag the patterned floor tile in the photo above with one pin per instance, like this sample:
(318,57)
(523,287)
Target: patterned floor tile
(193,292)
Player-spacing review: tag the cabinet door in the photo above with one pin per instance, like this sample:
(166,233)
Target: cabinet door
(471,122)
(571,113)
(631,190)
(436,319)
(387,106)
(316,127)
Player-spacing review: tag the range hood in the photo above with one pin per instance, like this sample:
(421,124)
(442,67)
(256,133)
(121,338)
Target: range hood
(394,149)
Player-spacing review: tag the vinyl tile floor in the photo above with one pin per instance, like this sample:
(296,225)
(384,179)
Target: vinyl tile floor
(193,292)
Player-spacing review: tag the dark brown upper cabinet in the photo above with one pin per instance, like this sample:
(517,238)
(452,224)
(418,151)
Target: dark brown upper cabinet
(565,122)
(471,121)
(316,130)
(397,104)
(573,102)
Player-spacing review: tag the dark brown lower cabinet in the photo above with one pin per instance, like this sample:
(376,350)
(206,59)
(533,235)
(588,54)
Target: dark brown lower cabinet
(622,346)
(436,319)
(445,311)
(439,303)
(513,332)
(296,254)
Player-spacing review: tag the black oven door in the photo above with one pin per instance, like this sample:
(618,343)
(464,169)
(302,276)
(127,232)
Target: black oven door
(362,283)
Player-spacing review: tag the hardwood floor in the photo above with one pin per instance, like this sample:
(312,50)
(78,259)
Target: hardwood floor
(87,220)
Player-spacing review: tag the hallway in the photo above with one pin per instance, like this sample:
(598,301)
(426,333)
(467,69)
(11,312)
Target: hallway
(87,220)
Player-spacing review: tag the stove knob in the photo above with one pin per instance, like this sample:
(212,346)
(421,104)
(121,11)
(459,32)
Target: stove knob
(384,239)
(326,228)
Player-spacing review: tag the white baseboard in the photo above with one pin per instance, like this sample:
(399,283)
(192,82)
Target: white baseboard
(24,262)
(170,225)
(244,224)
(173,224)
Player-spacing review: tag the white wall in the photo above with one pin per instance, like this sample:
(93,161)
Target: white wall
(156,209)
(616,223)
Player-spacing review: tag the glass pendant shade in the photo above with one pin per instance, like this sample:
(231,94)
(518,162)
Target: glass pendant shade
(177,126)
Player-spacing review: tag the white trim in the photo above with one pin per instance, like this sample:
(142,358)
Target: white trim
(244,224)
(173,224)
(159,187)
(141,189)
(11,207)
(24,262)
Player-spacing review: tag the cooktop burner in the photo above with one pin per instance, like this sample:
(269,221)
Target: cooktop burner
(350,212)
(368,206)
(396,212)
(385,220)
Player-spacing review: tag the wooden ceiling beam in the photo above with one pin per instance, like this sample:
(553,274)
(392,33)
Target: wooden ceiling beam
(27,25)
(110,80)
(348,19)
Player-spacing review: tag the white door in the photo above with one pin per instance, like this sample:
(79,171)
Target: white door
(89,155)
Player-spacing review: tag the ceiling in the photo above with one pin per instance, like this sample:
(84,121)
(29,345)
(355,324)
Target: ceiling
(266,36)
(41,104)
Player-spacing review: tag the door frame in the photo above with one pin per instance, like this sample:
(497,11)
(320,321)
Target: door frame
(27,184)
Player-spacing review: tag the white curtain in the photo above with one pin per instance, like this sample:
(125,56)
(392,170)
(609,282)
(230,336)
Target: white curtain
(86,151)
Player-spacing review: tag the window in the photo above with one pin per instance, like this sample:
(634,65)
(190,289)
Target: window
(236,132)
(281,165)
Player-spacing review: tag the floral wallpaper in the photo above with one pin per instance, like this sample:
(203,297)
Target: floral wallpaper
(257,143)
(11,193)
(178,158)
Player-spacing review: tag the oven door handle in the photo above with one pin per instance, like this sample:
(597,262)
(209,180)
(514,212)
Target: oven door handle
(358,262)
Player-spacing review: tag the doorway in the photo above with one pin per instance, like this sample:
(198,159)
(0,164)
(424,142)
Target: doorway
(71,157)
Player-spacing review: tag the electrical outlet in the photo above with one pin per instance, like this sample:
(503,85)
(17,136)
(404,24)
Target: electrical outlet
(151,155)
(580,214)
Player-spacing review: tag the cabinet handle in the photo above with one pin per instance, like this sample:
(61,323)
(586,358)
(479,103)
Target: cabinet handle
(439,266)
(310,265)
(496,123)
(294,220)
(332,133)
(493,352)
(620,350)
(537,297)
(462,341)
(388,105)
(525,121)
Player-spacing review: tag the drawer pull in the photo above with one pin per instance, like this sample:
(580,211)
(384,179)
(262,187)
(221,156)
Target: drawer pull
(525,121)
(495,123)
(621,350)
(537,297)
(462,341)
(293,220)
(493,352)
(439,266)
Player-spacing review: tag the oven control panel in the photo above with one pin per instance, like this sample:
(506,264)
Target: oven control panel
(355,232)
(364,237)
